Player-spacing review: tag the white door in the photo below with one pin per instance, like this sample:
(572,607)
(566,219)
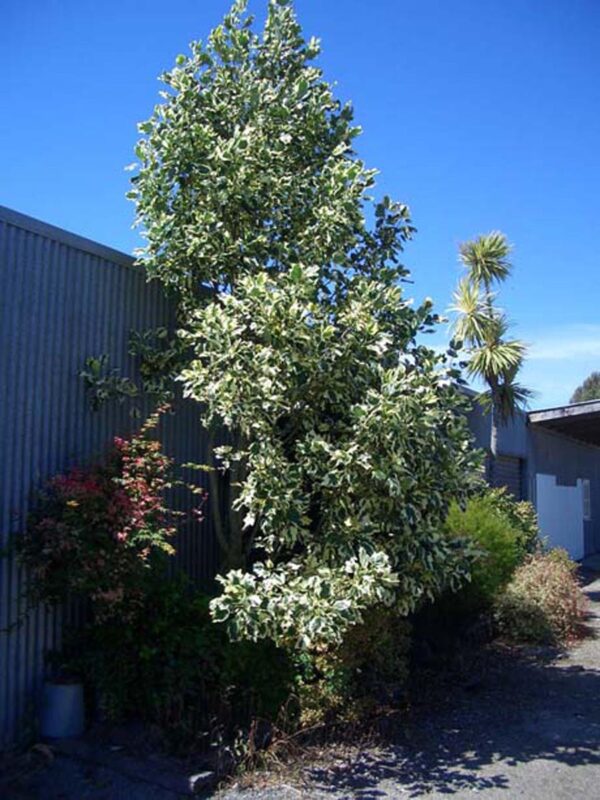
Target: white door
(560,512)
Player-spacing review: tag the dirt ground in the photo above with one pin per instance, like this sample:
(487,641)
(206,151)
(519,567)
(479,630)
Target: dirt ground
(526,725)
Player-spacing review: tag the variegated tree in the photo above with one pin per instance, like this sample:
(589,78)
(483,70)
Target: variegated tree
(346,441)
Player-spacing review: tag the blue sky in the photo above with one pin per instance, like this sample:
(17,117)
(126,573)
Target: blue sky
(479,114)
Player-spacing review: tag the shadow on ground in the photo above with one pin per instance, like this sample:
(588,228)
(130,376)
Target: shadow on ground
(525,716)
(544,713)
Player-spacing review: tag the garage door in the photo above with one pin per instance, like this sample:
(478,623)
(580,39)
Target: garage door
(508,472)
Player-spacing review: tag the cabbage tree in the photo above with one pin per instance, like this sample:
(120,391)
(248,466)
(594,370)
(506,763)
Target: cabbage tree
(492,356)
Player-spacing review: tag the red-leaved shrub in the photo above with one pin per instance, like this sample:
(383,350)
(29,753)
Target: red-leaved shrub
(95,530)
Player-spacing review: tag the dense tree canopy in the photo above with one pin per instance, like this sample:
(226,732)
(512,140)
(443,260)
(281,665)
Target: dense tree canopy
(346,438)
(589,389)
(248,166)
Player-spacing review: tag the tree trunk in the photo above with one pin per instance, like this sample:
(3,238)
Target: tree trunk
(227,521)
(493,446)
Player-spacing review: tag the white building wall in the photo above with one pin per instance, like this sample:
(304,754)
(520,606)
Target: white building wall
(560,513)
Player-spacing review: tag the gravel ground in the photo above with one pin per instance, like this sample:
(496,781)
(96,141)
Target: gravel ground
(525,726)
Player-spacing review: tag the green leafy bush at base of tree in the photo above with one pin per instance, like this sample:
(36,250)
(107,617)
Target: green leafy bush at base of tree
(543,603)
(522,516)
(172,667)
(503,531)
(498,540)
(368,670)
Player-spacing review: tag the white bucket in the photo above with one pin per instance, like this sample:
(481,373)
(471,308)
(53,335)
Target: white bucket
(62,713)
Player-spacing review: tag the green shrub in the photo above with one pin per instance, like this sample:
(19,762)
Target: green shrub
(521,514)
(543,602)
(173,667)
(503,532)
(368,669)
(499,541)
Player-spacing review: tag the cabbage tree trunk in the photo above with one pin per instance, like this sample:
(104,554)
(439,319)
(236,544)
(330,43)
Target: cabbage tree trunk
(493,446)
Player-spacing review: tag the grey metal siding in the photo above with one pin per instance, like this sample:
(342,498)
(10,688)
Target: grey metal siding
(511,463)
(65,298)
(529,449)
(512,435)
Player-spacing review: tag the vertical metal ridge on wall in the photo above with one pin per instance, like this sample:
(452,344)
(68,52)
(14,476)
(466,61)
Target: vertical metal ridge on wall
(64,299)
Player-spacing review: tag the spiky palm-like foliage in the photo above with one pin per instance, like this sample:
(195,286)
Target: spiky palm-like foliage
(491,356)
(486,258)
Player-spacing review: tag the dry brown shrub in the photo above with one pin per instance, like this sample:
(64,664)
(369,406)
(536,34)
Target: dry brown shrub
(543,602)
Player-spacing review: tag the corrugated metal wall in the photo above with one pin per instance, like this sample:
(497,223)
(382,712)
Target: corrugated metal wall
(508,471)
(64,298)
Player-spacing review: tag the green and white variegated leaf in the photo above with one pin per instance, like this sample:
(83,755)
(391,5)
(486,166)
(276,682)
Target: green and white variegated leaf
(346,438)
(354,443)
